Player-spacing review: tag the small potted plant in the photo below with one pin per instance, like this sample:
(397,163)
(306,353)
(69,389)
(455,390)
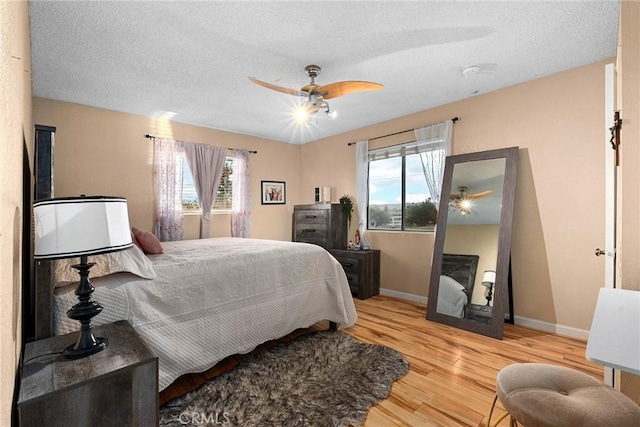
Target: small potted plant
(347,208)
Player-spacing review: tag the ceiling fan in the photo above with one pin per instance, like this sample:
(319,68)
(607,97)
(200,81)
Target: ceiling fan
(317,95)
(462,200)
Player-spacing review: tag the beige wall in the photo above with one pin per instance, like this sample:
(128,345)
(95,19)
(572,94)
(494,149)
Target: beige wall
(558,123)
(629,177)
(105,152)
(15,128)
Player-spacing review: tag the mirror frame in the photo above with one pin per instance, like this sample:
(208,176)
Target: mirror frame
(500,289)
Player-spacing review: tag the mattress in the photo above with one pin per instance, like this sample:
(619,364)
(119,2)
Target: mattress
(216,297)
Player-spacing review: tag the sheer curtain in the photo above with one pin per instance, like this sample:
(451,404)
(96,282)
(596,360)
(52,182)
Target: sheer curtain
(434,145)
(206,163)
(241,204)
(167,182)
(362,189)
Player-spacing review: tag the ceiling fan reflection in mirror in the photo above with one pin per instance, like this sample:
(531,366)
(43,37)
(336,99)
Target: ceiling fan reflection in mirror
(317,95)
(463,201)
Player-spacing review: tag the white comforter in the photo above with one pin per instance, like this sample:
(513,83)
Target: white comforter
(216,297)
(451,297)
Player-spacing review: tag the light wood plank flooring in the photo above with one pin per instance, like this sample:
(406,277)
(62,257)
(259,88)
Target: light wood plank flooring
(451,381)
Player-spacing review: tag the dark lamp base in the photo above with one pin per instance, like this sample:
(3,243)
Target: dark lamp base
(83,311)
(72,352)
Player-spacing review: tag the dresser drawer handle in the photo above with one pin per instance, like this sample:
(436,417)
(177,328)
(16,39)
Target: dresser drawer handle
(309,230)
(311,216)
(346,264)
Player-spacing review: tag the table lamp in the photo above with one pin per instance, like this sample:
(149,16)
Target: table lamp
(72,227)
(488,279)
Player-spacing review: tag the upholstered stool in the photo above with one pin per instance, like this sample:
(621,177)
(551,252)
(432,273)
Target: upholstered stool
(540,395)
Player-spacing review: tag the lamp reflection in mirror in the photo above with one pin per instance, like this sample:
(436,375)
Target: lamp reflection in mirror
(72,227)
(488,279)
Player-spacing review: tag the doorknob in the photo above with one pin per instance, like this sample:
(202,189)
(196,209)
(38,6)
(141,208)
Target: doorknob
(599,252)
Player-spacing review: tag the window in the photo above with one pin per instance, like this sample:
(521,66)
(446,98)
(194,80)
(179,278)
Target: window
(224,195)
(399,195)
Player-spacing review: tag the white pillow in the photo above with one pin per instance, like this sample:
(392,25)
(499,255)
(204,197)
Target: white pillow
(131,260)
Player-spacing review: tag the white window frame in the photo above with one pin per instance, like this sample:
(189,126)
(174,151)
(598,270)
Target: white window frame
(402,150)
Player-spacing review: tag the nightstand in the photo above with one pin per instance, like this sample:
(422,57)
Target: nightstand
(115,387)
(480,313)
(362,269)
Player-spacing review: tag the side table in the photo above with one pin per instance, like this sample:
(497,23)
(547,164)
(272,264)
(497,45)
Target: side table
(480,313)
(115,387)
(362,268)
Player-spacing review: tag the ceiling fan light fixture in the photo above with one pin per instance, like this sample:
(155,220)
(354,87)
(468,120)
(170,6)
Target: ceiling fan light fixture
(465,205)
(328,111)
(302,114)
(316,94)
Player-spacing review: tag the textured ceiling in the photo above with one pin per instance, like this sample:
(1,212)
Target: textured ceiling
(191,60)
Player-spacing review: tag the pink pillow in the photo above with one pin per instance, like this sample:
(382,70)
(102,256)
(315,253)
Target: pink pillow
(147,241)
(135,241)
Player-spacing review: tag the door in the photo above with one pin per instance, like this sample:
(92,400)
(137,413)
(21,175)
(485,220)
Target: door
(610,194)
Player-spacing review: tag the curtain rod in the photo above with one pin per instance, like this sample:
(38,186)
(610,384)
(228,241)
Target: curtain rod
(250,151)
(455,119)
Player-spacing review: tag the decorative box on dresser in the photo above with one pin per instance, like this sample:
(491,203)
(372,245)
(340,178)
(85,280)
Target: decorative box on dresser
(322,224)
(115,387)
(362,268)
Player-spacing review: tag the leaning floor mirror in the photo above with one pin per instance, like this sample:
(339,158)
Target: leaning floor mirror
(470,270)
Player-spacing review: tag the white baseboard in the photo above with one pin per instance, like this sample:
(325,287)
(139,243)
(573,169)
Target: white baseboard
(566,331)
(569,331)
(403,295)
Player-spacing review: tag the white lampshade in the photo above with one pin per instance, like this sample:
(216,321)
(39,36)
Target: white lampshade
(74,226)
(489,278)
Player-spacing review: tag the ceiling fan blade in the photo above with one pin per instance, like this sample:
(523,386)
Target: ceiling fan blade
(478,195)
(334,90)
(278,88)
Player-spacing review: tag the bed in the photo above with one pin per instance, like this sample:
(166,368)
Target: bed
(203,300)
(456,284)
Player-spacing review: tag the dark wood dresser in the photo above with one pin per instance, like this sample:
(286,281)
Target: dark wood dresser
(322,224)
(115,387)
(362,268)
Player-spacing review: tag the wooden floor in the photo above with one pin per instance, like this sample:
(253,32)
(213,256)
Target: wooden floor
(451,381)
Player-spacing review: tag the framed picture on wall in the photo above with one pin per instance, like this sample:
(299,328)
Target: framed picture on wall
(273,192)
